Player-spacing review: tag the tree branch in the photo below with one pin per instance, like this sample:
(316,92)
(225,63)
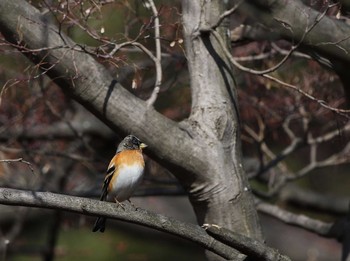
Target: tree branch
(328,43)
(309,199)
(272,78)
(158,60)
(221,245)
(339,230)
(9,161)
(330,36)
(252,248)
(91,207)
(88,82)
(315,226)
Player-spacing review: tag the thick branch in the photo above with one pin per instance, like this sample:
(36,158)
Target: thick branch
(291,18)
(84,79)
(252,248)
(129,214)
(48,200)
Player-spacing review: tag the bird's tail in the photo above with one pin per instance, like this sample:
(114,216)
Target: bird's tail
(100,224)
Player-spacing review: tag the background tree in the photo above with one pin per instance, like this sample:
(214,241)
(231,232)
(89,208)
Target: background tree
(91,51)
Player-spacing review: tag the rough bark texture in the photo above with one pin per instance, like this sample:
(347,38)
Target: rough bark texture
(203,151)
(222,188)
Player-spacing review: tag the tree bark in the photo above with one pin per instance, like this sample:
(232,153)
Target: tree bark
(214,122)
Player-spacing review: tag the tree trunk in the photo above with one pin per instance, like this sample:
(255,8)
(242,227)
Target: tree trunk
(221,194)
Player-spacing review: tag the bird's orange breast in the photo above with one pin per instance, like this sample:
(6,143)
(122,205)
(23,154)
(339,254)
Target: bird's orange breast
(129,157)
(129,165)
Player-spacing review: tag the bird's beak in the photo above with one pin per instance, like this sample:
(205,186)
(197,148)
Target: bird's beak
(143,145)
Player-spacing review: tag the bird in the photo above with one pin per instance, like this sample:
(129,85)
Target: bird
(124,174)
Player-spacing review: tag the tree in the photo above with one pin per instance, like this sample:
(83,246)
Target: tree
(203,150)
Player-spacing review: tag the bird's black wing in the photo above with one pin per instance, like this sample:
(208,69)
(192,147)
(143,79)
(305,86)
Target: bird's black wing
(106,182)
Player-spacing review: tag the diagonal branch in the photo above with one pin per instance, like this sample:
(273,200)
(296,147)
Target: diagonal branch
(88,82)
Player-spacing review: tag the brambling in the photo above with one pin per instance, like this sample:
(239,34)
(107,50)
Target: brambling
(123,175)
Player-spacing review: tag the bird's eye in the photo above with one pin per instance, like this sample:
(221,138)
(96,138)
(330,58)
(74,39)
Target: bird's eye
(135,141)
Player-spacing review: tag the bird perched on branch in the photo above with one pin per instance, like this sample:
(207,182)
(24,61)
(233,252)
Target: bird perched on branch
(124,174)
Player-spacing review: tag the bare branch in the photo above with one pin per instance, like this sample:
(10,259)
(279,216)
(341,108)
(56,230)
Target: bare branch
(252,248)
(9,161)
(338,230)
(226,14)
(316,226)
(313,200)
(309,96)
(106,209)
(278,14)
(264,74)
(285,58)
(328,136)
(264,149)
(296,143)
(158,60)
(87,81)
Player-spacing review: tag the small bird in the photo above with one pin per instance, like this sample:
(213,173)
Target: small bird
(124,174)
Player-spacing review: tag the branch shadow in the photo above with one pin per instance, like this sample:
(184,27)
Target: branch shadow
(224,68)
(108,96)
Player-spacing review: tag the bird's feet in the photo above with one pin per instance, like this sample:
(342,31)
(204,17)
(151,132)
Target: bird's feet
(119,204)
(136,208)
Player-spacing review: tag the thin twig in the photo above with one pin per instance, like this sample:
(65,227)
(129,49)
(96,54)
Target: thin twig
(226,14)
(264,73)
(309,96)
(158,60)
(9,161)
(329,135)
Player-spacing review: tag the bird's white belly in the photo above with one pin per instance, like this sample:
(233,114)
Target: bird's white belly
(126,182)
